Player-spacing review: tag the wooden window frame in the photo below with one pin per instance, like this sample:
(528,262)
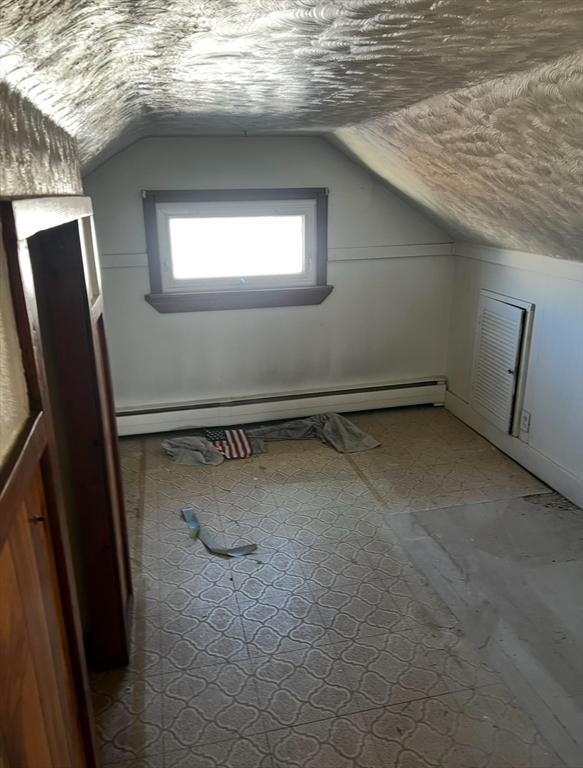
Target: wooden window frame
(203,301)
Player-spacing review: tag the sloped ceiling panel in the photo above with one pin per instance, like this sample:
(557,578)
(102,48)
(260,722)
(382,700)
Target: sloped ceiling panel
(108,71)
(99,67)
(501,162)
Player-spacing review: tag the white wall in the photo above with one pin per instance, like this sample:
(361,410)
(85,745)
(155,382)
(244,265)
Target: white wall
(386,320)
(553,448)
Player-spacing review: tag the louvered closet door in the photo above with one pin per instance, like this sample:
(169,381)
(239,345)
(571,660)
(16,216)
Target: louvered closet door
(496,358)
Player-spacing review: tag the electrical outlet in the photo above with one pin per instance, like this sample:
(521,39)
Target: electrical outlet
(524,421)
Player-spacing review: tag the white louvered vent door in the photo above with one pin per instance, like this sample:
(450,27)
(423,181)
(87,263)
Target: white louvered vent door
(496,359)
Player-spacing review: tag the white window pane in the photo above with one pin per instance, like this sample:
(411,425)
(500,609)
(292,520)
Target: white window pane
(236,246)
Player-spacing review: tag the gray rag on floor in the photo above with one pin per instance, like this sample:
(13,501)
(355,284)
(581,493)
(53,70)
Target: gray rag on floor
(330,428)
(192,450)
(197,451)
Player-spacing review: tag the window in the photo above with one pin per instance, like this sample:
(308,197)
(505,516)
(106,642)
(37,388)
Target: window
(236,249)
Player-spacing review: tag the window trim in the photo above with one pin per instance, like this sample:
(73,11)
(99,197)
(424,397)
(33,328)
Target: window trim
(200,301)
(303,209)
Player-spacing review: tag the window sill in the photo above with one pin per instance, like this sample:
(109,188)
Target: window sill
(223,300)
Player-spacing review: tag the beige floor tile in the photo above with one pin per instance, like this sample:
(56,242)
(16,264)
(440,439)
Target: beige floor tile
(427,474)
(152,761)
(281,570)
(325,648)
(206,705)
(129,716)
(456,730)
(145,646)
(265,531)
(354,610)
(147,593)
(411,664)
(332,523)
(245,752)
(327,563)
(333,743)
(314,495)
(198,594)
(280,621)
(303,686)
(189,641)
(246,502)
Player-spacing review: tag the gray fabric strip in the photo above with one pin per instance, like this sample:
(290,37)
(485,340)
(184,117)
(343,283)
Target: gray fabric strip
(197,532)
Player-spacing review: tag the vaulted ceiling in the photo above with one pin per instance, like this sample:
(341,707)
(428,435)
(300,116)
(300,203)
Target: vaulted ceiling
(472,107)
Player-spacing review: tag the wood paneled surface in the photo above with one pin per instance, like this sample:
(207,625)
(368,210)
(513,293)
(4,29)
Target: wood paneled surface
(46,713)
(37,707)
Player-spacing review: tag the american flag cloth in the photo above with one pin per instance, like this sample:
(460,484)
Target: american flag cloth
(232,443)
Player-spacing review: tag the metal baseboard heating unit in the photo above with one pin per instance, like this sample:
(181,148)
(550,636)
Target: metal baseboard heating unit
(269,407)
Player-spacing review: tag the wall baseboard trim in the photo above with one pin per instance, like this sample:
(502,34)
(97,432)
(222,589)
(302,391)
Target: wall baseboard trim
(557,477)
(533,262)
(270,408)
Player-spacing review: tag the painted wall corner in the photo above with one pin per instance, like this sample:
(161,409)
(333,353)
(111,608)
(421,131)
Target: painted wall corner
(37,157)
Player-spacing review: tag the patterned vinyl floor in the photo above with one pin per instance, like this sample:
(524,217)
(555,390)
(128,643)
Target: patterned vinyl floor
(326,649)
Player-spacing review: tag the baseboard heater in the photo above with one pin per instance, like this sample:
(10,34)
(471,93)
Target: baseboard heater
(246,410)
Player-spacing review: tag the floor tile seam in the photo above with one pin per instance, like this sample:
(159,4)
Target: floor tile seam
(314,592)
(263,654)
(141,524)
(197,612)
(343,715)
(243,577)
(137,677)
(248,731)
(158,614)
(200,616)
(267,657)
(173,506)
(504,497)
(370,564)
(137,753)
(364,710)
(193,750)
(141,481)
(377,633)
(381,578)
(370,633)
(249,518)
(353,641)
(136,546)
(238,660)
(350,536)
(145,546)
(214,741)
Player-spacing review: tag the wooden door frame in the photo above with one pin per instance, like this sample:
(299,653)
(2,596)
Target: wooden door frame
(36,442)
(69,300)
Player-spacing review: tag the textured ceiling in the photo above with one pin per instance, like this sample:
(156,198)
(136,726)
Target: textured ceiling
(500,162)
(108,71)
